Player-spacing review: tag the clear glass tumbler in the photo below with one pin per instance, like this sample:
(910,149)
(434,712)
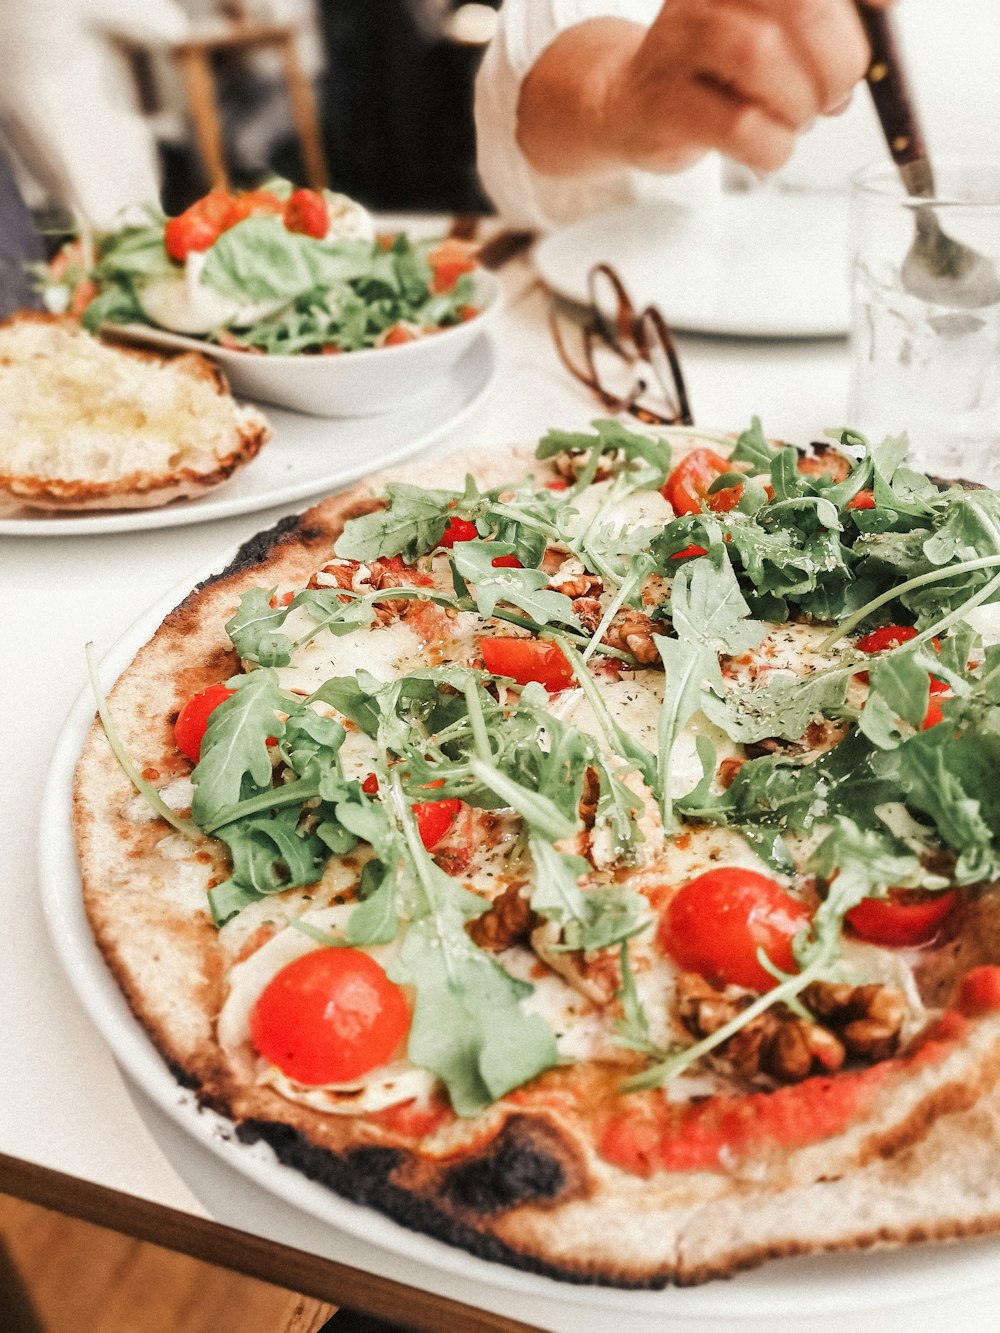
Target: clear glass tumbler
(932,370)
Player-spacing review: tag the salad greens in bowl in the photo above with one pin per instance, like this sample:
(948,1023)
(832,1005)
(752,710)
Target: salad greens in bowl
(290,291)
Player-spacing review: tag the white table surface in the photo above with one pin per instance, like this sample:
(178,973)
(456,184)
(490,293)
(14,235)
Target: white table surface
(64,1103)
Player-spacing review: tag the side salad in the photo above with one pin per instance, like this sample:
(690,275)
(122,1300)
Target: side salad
(276,270)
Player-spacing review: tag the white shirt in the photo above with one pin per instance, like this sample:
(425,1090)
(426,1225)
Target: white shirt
(952,47)
(68,105)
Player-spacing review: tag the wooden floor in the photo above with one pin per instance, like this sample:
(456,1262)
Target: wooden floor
(78,1278)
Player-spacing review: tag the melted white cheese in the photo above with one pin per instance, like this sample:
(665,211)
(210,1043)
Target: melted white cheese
(385,1086)
(638,509)
(183,303)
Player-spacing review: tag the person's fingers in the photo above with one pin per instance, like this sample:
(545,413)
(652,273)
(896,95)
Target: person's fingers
(830,40)
(749,54)
(702,116)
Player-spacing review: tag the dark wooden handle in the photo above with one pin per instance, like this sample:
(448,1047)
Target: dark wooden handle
(890,92)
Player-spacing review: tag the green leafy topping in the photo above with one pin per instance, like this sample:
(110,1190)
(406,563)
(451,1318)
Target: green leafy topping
(588,919)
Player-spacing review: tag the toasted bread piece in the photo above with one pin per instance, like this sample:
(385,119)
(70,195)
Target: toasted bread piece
(85,424)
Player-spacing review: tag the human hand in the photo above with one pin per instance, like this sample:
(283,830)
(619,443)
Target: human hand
(740,76)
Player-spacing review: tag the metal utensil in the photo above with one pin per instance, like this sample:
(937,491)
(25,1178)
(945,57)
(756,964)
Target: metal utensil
(937,268)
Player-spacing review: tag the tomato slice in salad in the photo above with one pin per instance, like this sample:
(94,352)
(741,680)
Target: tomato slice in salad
(329,1016)
(907,917)
(686,489)
(525,660)
(448,262)
(305,212)
(192,720)
(715,924)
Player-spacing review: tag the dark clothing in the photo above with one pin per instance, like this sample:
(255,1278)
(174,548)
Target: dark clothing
(19,243)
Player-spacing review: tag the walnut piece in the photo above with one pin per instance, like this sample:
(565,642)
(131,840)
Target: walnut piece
(508,921)
(632,631)
(571,462)
(863,1022)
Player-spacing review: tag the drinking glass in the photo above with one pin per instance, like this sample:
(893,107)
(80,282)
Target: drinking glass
(932,370)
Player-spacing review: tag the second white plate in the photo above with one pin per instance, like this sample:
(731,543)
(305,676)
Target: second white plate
(766,264)
(307,456)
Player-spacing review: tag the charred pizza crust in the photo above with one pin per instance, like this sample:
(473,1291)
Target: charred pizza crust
(522,1184)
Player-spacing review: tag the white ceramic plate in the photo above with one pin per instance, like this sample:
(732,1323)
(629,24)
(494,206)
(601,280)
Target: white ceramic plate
(308,455)
(366,383)
(767,264)
(836,1285)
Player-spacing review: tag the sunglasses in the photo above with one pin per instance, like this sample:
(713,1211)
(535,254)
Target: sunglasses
(628,358)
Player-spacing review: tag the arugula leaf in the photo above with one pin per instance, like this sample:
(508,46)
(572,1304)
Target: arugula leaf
(754,448)
(707,607)
(688,667)
(254,626)
(782,706)
(524,588)
(589,919)
(410,525)
(611,436)
(235,757)
(632,1030)
(468,1027)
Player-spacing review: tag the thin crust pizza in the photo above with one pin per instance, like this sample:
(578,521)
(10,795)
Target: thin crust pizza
(585,856)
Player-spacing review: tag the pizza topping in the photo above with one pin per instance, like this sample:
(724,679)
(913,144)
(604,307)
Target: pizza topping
(691,486)
(979,991)
(192,720)
(733,926)
(904,919)
(748,716)
(329,1016)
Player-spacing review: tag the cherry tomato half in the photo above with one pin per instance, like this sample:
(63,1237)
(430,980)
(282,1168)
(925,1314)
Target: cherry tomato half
(979,991)
(885,637)
(397,336)
(715,924)
(192,720)
(435,818)
(906,917)
(329,1016)
(458,530)
(686,489)
(189,233)
(506,562)
(891,636)
(448,262)
(305,212)
(525,660)
(863,500)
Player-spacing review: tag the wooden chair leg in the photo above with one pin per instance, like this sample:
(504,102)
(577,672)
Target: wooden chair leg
(196,68)
(304,114)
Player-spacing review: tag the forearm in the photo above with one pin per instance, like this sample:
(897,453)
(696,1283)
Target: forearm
(565,126)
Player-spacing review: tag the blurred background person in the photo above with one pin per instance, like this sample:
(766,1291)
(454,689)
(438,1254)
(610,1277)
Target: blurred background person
(20,244)
(69,109)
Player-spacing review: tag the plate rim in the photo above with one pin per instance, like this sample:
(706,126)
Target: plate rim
(745,1296)
(573,233)
(216,505)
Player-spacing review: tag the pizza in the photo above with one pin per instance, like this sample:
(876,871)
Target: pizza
(585,855)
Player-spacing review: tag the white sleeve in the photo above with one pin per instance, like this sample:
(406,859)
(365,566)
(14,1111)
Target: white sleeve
(523,196)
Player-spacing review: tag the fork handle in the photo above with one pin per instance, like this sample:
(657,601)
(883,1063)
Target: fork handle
(890,91)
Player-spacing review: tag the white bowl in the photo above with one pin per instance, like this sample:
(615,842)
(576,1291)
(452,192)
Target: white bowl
(355,384)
